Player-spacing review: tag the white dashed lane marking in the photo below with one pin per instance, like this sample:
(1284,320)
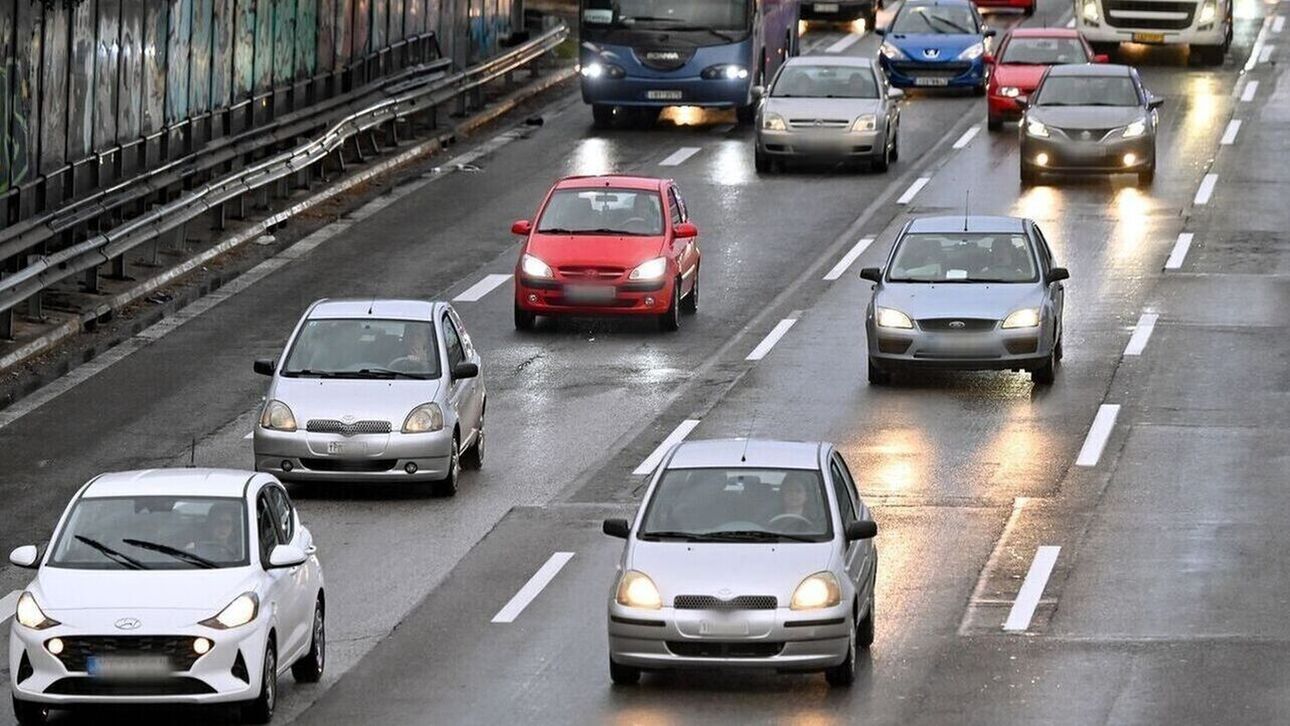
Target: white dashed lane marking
(967,137)
(1141,334)
(533,588)
(1247,93)
(846,42)
(1229,134)
(1032,589)
(1179,253)
(7,605)
(1206,189)
(677,435)
(849,258)
(767,343)
(913,190)
(1098,434)
(679,156)
(477,291)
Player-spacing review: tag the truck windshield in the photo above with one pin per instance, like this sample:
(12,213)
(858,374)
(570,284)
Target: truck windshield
(666,14)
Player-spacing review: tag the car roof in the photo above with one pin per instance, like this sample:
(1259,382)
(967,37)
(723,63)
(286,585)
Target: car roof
(746,454)
(622,181)
(374,308)
(830,60)
(191,482)
(1044,33)
(973,223)
(1089,69)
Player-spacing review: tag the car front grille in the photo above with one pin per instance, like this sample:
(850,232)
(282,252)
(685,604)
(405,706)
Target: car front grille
(332,426)
(709,602)
(83,686)
(819,123)
(588,272)
(78,649)
(930,70)
(1125,14)
(957,325)
(724,649)
(1078,134)
(349,465)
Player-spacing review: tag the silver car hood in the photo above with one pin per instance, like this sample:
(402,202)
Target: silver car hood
(1086,117)
(729,570)
(822,108)
(365,400)
(953,300)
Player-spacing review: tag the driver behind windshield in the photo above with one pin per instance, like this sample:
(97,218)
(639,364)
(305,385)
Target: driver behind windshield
(221,538)
(416,349)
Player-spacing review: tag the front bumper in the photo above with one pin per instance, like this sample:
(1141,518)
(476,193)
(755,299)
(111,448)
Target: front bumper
(998,349)
(543,297)
(1004,107)
(210,679)
(1213,34)
(661,92)
(947,74)
(670,638)
(836,11)
(822,144)
(302,456)
(1069,156)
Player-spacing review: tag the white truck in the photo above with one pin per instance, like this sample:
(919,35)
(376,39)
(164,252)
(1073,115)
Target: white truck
(1204,25)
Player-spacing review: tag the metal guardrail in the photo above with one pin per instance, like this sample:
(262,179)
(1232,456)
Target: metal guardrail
(412,97)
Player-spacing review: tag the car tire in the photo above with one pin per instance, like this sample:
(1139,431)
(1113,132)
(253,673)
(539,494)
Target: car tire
(447,486)
(524,320)
(878,376)
(260,710)
(979,90)
(309,669)
(1060,349)
(844,674)
(622,675)
(883,162)
(993,123)
(670,321)
(1105,48)
(473,457)
(745,115)
(690,303)
(1146,178)
(1028,175)
(1046,374)
(865,630)
(602,116)
(30,714)
(895,145)
(761,163)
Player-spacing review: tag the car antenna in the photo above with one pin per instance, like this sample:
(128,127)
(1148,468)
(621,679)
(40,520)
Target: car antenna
(743,455)
(967,197)
(192,454)
(370,306)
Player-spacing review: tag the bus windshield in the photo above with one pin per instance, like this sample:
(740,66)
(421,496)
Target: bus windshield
(666,14)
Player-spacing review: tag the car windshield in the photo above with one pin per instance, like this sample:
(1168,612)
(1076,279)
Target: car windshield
(935,19)
(738,505)
(364,348)
(1044,51)
(668,14)
(1087,91)
(634,212)
(967,257)
(153,533)
(811,81)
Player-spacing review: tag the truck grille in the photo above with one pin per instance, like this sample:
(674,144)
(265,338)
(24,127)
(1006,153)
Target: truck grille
(1128,14)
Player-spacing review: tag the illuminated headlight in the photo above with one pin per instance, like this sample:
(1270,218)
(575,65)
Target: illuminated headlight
(1208,12)
(867,122)
(201,646)
(241,611)
(424,419)
(972,52)
(820,590)
(729,72)
(277,416)
(55,646)
(533,267)
(636,590)
(1035,128)
(593,70)
(1024,318)
(1010,91)
(889,318)
(891,52)
(29,614)
(1091,12)
(773,122)
(1135,129)
(652,270)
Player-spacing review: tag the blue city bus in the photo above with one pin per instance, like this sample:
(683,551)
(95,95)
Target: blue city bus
(644,55)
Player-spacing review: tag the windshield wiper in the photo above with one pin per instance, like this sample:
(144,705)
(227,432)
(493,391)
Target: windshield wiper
(672,534)
(711,31)
(755,535)
(176,553)
(380,373)
(555,230)
(120,558)
(951,24)
(306,373)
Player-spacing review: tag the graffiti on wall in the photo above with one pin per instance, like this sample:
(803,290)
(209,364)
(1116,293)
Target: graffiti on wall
(13,134)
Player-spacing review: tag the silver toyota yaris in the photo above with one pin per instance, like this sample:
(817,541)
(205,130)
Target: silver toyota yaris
(374,390)
(745,554)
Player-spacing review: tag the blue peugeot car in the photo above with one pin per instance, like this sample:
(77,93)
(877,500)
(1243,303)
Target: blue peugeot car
(936,44)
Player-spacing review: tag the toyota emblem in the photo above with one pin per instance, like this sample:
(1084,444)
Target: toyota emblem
(127,624)
(1086,135)
(958,324)
(347,419)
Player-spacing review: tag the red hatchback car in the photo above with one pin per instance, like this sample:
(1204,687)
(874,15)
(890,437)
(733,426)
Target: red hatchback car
(1023,56)
(608,245)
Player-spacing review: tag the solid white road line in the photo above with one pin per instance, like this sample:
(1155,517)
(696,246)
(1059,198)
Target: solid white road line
(1098,434)
(1278,23)
(1229,134)
(7,605)
(913,190)
(477,291)
(540,579)
(1141,334)
(967,137)
(679,433)
(1266,53)
(1179,252)
(1247,93)
(1032,588)
(771,339)
(679,156)
(1206,189)
(846,42)
(849,258)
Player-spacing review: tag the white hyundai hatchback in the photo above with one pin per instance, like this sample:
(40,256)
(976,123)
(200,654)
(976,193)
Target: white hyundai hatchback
(196,586)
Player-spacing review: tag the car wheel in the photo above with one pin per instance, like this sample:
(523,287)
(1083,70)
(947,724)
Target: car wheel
(878,376)
(670,321)
(309,669)
(690,305)
(473,458)
(1145,178)
(993,123)
(895,145)
(623,675)
(761,163)
(1061,350)
(261,709)
(447,486)
(979,90)
(1105,48)
(1028,175)
(1046,374)
(844,674)
(30,714)
(883,162)
(864,636)
(602,116)
(524,319)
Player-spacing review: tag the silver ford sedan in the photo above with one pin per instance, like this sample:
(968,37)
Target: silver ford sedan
(828,108)
(745,553)
(374,390)
(967,293)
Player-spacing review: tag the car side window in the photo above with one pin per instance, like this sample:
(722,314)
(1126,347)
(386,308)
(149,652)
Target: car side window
(846,502)
(675,206)
(861,511)
(453,342)
(1045,254)
(280,505)
(267,527)
(467,345)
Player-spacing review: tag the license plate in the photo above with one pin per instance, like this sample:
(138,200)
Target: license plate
(826,7)
(663,95)
(931,81)
(128,667)
(590,293)
(335,447)
(723,627)
(1148,37)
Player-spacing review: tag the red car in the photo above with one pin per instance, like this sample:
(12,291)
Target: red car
(1027,7)
(608,245)
(1022,57)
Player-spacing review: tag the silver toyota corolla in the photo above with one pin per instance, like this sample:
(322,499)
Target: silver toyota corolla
(745,554)
(968,293)
(377,390)
(832,108)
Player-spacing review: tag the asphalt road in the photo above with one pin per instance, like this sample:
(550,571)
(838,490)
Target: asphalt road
(1165,600)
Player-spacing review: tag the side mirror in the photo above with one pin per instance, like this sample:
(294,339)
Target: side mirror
(286,555)
(465,369)
(616,528)
(1057,274)
(685,230)
(758,91)
(522,226)
(25,556)
(864,529)
(988,58)
(873,274)
(895,94)
(989,32)
(1102,58)
(265,366)
(1155,103)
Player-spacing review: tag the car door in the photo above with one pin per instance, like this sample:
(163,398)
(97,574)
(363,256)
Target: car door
(458,397)
(686,251)
(276,595)
(848,507)
(1055,294)
(867,548)
(298,593)
(475,386)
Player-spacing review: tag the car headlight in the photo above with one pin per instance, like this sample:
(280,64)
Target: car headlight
(424,419)
(773,122)
(636,590)
(1208,12)
(29,614)
(651,270)
(890,318)
(1036,128)
(1010,91)
(277,416)
(533,267)
(1091,12)
(596,69)
(972,52)
(241,611)
(1024,318)
(891,52)
(820,590)
(1135,129)
(866,122)
(725,71)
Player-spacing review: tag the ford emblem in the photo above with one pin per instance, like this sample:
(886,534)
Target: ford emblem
(127,624)
(958,324)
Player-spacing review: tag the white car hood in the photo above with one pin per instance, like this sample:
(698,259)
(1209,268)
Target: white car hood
(62,592)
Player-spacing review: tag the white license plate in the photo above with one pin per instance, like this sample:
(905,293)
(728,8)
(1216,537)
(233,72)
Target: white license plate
(826,7)
(663,95)
(590,293)
(345,447)
(931,81)
(128,667)
(723,627)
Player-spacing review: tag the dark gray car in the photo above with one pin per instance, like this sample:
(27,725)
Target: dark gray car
(966,293)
